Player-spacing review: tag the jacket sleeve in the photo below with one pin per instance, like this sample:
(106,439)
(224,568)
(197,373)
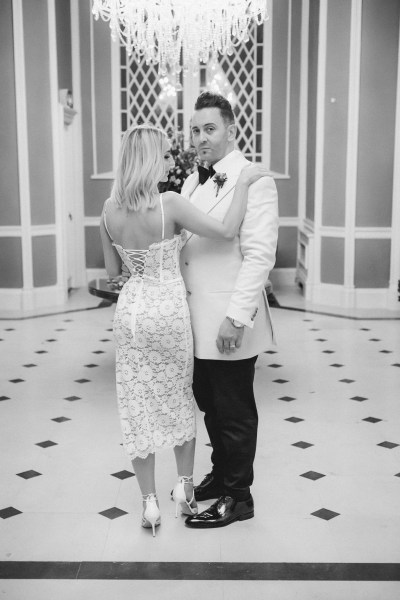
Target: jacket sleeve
(258,239)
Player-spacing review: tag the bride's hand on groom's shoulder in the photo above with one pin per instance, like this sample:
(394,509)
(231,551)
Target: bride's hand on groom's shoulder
(253,172)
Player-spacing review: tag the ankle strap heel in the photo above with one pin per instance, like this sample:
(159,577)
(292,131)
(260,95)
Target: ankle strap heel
(151,516)
(188,507)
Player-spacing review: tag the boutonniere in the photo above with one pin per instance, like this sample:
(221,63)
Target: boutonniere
(219,179)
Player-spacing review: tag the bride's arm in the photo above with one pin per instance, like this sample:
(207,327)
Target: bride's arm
(112,260)
(191,218)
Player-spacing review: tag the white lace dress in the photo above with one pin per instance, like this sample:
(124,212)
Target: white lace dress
(154,350)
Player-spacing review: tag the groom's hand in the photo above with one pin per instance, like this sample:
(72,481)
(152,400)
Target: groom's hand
(229,337)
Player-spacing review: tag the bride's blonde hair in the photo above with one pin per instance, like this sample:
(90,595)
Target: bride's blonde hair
(140,168)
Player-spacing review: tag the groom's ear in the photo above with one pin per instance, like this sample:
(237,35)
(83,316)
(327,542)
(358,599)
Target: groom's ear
(231,132)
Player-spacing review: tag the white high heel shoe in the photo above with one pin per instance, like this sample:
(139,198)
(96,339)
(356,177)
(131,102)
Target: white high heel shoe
(151,516)
(179,497)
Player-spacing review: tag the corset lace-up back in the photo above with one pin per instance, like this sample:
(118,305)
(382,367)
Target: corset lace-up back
(154,358)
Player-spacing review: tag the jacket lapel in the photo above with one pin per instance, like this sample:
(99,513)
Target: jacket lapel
(207,198)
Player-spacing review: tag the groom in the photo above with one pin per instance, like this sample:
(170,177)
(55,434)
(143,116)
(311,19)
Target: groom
(231,321)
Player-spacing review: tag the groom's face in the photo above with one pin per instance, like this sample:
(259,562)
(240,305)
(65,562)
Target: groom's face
(212,137)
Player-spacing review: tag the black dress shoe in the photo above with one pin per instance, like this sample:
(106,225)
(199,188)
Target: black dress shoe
(224,511)
(208,489)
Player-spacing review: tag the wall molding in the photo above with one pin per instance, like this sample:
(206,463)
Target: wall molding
(395,253)
(303,111)
(22,143)
(352,141)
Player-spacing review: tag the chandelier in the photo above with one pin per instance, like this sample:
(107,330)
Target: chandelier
(164,31)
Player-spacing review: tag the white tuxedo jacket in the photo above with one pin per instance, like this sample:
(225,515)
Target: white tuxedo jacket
(228,277)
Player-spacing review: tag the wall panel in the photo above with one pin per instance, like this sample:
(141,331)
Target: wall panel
(336,109)
(40,145)
(9,185)
(44,260)
(372,263)
(379,56)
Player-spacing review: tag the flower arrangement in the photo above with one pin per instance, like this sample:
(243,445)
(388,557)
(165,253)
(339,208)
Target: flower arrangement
(186,162)
(219,180)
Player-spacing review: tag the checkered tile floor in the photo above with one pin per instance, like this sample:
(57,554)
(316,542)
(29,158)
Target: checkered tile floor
(327,473)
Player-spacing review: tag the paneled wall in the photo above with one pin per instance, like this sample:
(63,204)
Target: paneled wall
(332,127)
(348,250)
(33,67)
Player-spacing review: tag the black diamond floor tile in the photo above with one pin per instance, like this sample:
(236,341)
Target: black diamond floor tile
(302,445)
(312,475)
(98,352)
(8,512)
(359,398)
(10,329)
(105,340)
(29,474)
(375,340)
(46,444)
(314,329)
(388,445)
(61,419)
(30,365)
(274,366)
(270,352)
(328,351)
(338,365)
(51,340)
(113,513)
(294,419)
(397,475)
(61,329)
(82,380)
(280,381)
(123,474)
(91,366)
(364,329)
(372,420)
(286,398)
(386,351)
(347,380)
(41,352)
(16,380)
(325,514)
(72,398)
(321,340)
(4,398)
(396,365)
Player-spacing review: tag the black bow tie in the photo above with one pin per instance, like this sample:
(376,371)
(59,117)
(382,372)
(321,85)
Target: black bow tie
(205,173)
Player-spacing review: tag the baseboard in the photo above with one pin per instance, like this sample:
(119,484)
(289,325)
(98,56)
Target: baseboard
(36,298)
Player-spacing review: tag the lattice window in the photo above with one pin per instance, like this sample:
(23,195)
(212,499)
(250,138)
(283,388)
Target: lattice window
(243,73)
(145,98)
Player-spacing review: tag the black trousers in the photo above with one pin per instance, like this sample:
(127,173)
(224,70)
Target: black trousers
(224,392)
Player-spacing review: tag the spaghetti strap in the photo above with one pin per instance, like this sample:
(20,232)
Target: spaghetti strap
(162,218)
(105,220)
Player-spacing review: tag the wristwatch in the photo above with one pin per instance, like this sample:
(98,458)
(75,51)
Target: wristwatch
(235,323)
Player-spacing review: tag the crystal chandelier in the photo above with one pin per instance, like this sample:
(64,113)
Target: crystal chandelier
(160,31)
